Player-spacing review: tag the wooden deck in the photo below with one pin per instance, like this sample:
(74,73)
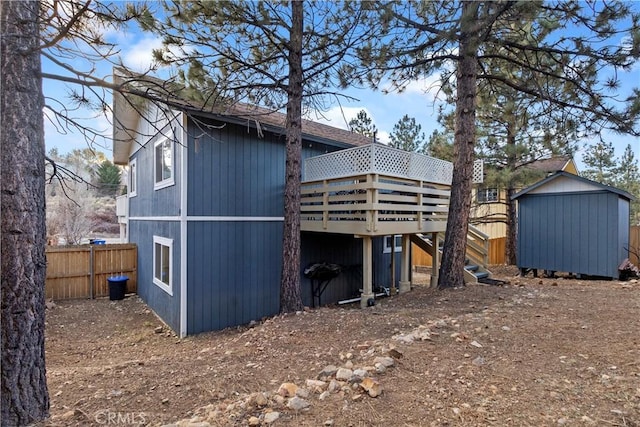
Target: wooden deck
(374,205)
(376,190)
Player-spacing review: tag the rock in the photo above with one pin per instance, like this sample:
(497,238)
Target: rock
(328,423)
(50,304)
(324,395)
(254,421)
(158,329)
(287,389)
(302,392)
(327,372)
(316,385)
(371,386)
(380,368)
(395,354)
(478,361)
(343,374)
(271,417)
(297,404)
(359,373)
(333,386)
(476,344)
(387,362)
(506,328)
(257,399)
(349,364)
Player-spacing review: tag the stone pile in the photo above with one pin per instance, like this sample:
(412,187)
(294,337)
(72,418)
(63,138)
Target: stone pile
(264,408)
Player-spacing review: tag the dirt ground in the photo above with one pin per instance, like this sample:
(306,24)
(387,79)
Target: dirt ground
(536,352)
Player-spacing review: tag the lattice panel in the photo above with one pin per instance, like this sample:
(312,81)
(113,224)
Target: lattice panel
(478,172)
(380,159)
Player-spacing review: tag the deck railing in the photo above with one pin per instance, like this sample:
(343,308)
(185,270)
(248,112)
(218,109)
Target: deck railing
(376,190)
(373,204)
(384,160)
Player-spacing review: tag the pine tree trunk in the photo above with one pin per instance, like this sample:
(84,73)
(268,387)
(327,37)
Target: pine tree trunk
(24,397)
(454,249)
(290,293)
(510,250)
(512,164)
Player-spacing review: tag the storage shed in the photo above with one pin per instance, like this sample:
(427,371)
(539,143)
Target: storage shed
(571,224)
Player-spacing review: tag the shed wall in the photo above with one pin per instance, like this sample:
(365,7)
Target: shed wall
(569,232)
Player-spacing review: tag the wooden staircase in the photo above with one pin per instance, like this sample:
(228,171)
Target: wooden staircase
(477,254)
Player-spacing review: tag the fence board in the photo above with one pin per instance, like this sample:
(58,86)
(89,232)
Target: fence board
(69,269)
(497,250)
(634,244)
(496,253)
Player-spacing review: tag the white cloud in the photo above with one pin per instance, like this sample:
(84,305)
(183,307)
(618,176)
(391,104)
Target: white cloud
(337,116)
(139,56)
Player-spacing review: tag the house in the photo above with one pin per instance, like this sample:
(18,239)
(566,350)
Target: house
(205,207)
(489,204)
(571,224)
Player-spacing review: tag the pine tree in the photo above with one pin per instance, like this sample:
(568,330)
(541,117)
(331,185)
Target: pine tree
(275,55)
(407,135)
(628,179)
(24,396)
(459,38)
(107,179)
(600,162)
(363,124)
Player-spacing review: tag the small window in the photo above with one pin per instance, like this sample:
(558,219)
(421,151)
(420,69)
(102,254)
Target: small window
(133,178)
(162,262)
(163,163)
(398,244)
(487,195)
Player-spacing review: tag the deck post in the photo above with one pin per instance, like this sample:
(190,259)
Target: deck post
(435,260)
(405,283)
(367,272)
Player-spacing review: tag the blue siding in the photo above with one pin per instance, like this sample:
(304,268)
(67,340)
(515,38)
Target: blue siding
(233,273)
(150,202)
(341,249)
(571,232)
(165,305)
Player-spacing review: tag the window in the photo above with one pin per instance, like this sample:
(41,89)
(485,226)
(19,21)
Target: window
(387,244)
(487,195)
(163,163)
(162,262)
(133,178)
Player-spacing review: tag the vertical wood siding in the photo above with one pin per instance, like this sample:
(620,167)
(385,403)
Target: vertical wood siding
(165,305)
(576,233)
(233,273)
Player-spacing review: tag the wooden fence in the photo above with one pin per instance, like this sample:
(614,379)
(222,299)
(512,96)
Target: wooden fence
(634,244)
(496,253)
(82,271)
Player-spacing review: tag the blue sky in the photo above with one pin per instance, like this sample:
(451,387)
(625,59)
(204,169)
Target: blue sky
(417,100)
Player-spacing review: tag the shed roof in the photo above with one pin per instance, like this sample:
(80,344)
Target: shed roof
(126,118)
(587,185)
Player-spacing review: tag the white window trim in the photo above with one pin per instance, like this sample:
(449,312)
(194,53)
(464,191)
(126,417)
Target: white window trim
(171,180)
(485,191)
(387,247)
(169,243)
(133,178)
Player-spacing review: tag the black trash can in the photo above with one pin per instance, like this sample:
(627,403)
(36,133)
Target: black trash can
(117,287)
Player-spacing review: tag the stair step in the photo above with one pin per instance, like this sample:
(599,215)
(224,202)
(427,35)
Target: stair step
(471,267)
(482,275)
